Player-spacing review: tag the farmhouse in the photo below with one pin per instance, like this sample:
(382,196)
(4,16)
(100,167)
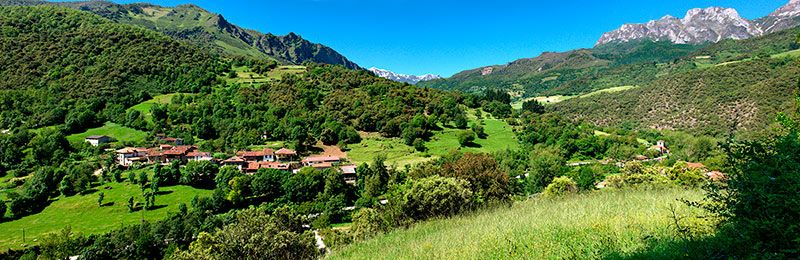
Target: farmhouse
(253,167)
(266,155)
(235,161)
(198,156)
(96,140)
(285,155)
(315,160)
(349,173)
(128,156)
(660,147)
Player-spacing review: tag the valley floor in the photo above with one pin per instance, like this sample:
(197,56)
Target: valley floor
(602,224)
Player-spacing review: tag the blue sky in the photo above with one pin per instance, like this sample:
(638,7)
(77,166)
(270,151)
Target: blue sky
(447,36)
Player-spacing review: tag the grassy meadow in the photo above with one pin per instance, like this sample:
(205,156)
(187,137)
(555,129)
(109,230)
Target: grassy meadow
(114,130)
(500,136)
(559,98)
(83,215)
(145,106)
(602,224)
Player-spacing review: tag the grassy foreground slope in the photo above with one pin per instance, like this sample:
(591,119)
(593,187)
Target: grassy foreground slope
(606,224)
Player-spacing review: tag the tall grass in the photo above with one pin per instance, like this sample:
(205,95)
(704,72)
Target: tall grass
(607,224)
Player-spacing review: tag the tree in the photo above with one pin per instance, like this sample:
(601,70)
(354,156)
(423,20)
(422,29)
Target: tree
(560,186)
(436,196)
(256,235)
(61,245)
(466,137)
(533,106)
(479,131)
(225,175)
(419,145)
(3,209)
(268,183)
(143,180)
(483,174)
(131,204)
(199,173)
(48,146)
(544,166)
(100,197)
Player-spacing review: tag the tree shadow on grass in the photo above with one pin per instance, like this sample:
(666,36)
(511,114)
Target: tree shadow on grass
(164,192)
(107,204)
(706,248)
(473,145)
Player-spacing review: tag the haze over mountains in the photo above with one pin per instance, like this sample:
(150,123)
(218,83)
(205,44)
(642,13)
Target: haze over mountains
(706,25)
(411,79)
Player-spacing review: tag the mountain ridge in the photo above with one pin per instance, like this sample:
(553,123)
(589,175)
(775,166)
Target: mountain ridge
(208,30)
(405,78)
(711,24)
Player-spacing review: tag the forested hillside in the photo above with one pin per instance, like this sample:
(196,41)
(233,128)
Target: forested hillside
(573,72)
(57,64)
(327,103)
(207,30)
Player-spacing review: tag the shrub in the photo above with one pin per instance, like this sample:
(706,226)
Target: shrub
(436,196)
(682,175)
(466,137)
(561,186)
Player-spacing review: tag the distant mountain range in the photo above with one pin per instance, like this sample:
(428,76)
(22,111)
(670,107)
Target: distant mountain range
(711,24)
(210,31)
(411,79)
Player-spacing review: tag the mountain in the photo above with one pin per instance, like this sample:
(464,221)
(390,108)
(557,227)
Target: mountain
(571,72)
(58,63)
(733,86)
(208,30)
(711,24)
(410,79)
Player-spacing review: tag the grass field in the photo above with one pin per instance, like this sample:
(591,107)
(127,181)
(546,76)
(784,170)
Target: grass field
(500,137)
(244,75)
(605,224)
(82,213)
(559,98)
(145,106)
(116,131)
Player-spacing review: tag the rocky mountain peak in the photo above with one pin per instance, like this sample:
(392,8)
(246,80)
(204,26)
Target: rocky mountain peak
(702,25)
(410,79)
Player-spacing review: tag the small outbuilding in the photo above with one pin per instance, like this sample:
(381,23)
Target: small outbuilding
(96,140)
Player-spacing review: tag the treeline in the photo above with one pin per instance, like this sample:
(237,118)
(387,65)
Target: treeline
(63,66)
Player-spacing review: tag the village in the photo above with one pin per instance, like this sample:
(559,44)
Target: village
(173,150)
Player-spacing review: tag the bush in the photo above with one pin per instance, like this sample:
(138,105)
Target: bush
(466,137)
(561,186)
(436,196)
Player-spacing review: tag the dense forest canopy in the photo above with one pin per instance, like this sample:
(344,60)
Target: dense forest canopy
(56,61)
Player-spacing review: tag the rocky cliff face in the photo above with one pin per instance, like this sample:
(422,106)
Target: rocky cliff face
(711,24)
(411,79)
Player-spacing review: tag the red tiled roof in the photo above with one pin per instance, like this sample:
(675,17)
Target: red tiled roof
(284,151)
(322,165)
(321,159)
(198,154)
(348,169)
(715,175)
(254,166)
(235,159)
(179,150)
(128,150)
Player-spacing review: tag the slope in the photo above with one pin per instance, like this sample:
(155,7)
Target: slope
(605,224)
(57,63)
(208,30)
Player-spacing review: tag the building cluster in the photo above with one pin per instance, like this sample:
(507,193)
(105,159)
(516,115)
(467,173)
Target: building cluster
(246,161)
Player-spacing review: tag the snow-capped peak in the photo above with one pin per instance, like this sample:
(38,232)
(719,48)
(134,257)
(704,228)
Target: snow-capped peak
(411,79)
